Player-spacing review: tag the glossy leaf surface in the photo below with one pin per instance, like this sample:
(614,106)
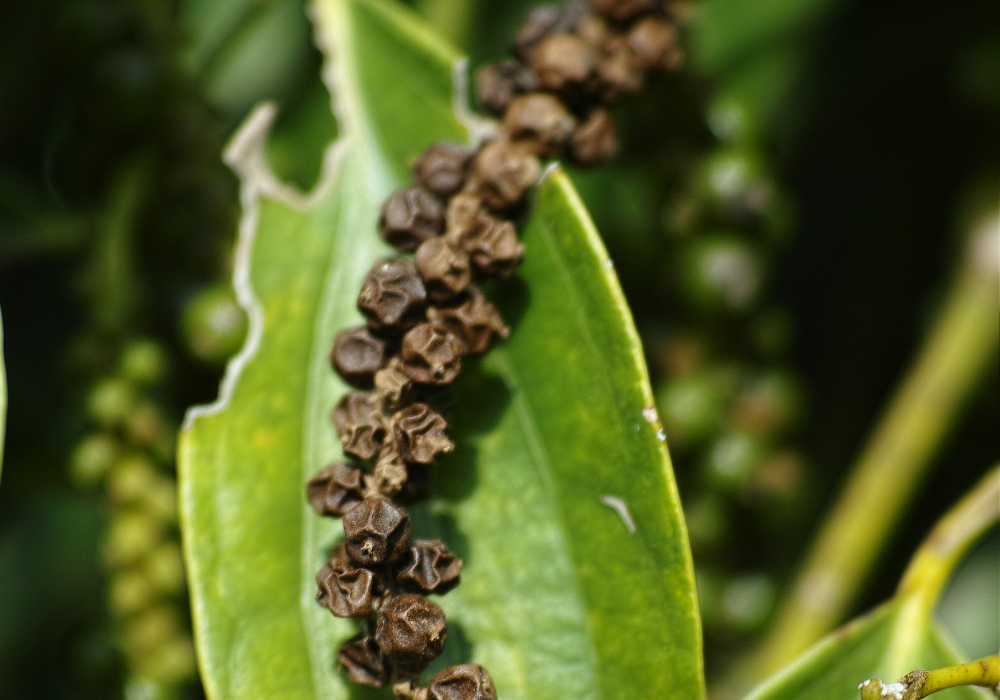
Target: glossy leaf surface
(559,599)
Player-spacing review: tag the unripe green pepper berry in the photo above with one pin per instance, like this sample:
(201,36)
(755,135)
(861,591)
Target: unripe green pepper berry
(691,407)
(733,458)
(143,361)
(214,324)
(721,272)
(92,458)
(132,534)
(767,405)
(110,401)
(747,601)
(130,591)
(165,568)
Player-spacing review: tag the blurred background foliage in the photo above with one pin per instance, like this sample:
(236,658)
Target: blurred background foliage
(859,140)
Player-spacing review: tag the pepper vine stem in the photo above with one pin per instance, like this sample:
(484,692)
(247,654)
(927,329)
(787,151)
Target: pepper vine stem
(960,346)
(920,683)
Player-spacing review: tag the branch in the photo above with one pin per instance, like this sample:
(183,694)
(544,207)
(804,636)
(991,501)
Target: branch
(961,345)
(920,683)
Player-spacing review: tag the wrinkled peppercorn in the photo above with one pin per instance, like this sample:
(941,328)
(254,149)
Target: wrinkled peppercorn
(492,246)
(595,139)
(357,355)
(465,210)
(652,42)
(429,567)
(441,168)
(476,321)
(393,386)
(463,682)
(360,424)
(432,354)
(363,661)
(409,217)
(498,83)
(392,296)
(344,589)
(376,531)
(444,268)
(335,489)
(562,61)
(615,74)
(411,631)
(540,121)
(420,434)
(546,20)
(624,10)
(501,172)
(389,476)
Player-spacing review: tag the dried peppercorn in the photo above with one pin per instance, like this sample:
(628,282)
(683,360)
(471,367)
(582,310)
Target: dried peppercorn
(623,10)
(335,489)
(595,139)
(499,83)
(429,567)
(432,354)
(392,296)
(344,589)
(444,268)
(540,121)
(363,661)
(462,682)
(652,42)
(411,631)
(546,20)
(615,72)
(465,210)
(562,61)
(420,435)
(392,385)
(376,531)
(501,173)
(476,321)
(360,424)
(390,473)
(441,168)
(492,246)
(357,355)
(409,217)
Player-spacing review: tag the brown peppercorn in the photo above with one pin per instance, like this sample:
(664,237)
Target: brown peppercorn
(594,30)
(429,567)
(546,20)
(476,321)
(360,424)
(432,354)
(498,83)
(344,589)
(441,168)
(393,386)
(540,121)
(595,140)
(562,61)
(392,296)
(376,531)
(464,211)
(363,661)
(357,355)
(463,682)
(615,73)
(444,268)
(492,246)
(411,631)
(389,476)
(501,172)
(335,489)
(623,10)
(653,43)
(409,217)
(420,434)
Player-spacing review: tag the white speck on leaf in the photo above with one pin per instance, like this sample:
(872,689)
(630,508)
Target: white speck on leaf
(650,414)
(661,435)
(620,507)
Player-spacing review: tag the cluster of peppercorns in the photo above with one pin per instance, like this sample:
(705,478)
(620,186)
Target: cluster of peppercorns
(423,316)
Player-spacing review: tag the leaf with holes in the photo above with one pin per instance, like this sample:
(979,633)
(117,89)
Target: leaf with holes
(560,598)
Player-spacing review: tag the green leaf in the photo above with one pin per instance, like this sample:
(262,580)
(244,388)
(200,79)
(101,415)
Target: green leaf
(558,598)
(866,648)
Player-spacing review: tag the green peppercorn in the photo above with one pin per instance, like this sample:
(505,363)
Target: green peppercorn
(214,325)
